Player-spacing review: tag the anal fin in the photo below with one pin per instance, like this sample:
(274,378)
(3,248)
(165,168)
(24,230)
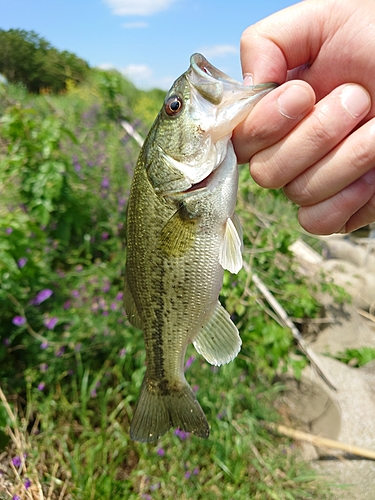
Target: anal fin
(219,341)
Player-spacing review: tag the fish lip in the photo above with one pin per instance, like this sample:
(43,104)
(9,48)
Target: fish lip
(215,82)
(206,70)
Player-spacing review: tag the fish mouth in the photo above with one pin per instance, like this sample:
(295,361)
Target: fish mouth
(214,85)
(224,101)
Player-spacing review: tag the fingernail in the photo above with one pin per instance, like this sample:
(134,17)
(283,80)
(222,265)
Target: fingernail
(294,101)
(248,79)
(355,100)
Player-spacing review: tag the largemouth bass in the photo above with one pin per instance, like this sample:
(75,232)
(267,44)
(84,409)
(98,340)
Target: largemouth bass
(181,235)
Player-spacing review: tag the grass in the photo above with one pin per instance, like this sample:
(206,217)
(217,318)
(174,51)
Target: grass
(79,447)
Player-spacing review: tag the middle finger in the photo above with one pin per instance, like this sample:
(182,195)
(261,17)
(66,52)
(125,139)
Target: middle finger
(331,120)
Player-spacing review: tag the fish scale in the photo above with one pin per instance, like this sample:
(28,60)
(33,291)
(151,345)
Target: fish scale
(181,235)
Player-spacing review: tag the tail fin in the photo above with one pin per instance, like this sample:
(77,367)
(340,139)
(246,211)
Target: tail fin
(158,410)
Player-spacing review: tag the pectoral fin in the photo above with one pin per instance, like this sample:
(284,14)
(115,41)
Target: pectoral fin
(219,341)
(230,256)
(178,235)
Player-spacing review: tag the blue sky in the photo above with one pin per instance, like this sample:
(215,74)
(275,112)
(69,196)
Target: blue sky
(150,41)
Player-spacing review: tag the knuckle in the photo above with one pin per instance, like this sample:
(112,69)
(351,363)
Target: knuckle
(322,129)
(300,190)
(363,153)
(267,172)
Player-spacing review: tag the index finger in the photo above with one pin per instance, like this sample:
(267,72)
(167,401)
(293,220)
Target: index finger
(282,41)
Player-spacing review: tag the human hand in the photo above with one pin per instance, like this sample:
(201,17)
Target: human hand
(323,155)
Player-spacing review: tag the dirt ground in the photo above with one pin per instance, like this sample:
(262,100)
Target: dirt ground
(346,415)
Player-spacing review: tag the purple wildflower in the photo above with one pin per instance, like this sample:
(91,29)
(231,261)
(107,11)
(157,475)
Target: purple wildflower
(105,235)
(22,262)
(75,294)
(122,353)
(160,452)
(19,320)
(93,391)
(181,434)
(41,386)
(44,344)
(16,497)
(113,306)
(187,474)
(79,268)
(105,182)
(16,461)
(67,304)
(43,367)
(50,323)
(60,352)
(221,415)
(196,471)
(9,230)
(102,303)
(42,296)
(76,164)
(189,362)
(27,483)
(119,296)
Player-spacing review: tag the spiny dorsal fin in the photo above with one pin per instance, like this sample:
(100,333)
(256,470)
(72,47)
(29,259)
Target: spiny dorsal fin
(178,235)
(219,341)
(230,255)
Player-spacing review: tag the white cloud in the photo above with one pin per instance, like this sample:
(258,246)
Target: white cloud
(137,7)
(137,72)
(141,75)
(219,50)
(135,25)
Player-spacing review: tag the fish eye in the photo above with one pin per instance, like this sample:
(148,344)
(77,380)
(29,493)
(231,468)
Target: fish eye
(173,105)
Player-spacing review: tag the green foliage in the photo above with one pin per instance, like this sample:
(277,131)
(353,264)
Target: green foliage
(29,59)
(357,357)
(117,94)
(4,438)
(66,348)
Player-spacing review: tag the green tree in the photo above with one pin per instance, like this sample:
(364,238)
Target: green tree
(27,58)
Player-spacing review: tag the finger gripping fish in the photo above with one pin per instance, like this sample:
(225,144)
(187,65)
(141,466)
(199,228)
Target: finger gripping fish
(181,235)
